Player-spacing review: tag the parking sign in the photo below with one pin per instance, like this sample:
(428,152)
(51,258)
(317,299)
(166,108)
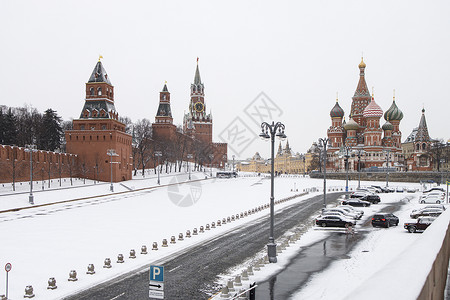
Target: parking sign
(156,285)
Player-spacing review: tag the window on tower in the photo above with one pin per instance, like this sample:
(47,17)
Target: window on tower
(99,91)
(92,91)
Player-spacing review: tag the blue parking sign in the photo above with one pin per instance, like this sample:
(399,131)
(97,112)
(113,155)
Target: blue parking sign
(157,273)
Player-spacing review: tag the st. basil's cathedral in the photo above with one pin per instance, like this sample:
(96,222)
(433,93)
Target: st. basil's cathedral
(363,132)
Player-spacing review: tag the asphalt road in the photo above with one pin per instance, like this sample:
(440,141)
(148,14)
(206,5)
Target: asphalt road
(192,274)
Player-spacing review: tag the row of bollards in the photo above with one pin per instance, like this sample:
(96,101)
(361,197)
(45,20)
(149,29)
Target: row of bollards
(29,291)
(233,288)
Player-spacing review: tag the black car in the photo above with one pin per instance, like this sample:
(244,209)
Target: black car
(384,220)
(334,221)
(372,198)
(356,202)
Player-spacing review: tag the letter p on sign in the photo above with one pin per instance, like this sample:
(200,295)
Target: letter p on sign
(157,273)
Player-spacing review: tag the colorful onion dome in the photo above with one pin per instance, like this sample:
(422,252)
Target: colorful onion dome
(337,111)
(362,64)
(388,126)
(373,110)
(351,125)
(393,113)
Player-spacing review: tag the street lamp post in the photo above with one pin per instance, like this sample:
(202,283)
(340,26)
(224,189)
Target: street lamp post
(323,142)
(388,154)
(359,152)
(346,152)
(158,154)
(211,157)
(31,148)
(269,131)
(233,162)
(111,153)
(189,156)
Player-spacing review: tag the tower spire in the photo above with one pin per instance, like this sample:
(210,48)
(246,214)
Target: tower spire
(197,79)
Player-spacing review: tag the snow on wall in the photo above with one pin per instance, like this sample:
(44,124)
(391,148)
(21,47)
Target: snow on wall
(407,274)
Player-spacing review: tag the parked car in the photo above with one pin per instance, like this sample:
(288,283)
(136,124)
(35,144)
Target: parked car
(356,202)
(382,189)
(390,190)
(334,221)
(400,189)
(375,199)
(359,194)
(411,190)
(431,212)
(441,206)
(384,220)
(432,198)
(352,209)
(421,224)
(435,189)
(343,212)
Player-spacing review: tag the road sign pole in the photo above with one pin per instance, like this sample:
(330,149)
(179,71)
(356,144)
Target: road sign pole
(7,269)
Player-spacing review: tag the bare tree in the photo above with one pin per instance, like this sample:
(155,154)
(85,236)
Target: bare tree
(142,143)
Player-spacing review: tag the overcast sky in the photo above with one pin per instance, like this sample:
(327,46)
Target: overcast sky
(298,53)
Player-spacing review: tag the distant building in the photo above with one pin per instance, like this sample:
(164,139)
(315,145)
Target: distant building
(99,130)
(417,146)
(363,132)
(285,162)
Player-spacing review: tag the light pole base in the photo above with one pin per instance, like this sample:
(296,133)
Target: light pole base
(272,252)
(346,188)
(31,199)
(111,188)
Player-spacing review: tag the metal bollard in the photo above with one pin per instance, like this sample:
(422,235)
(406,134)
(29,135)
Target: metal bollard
(155,246)
(144,249)
(219,223)
(164,243)
(188,233)
(207,227)
(213,225)
(29,292)
(132,253)
(107,263)
(73,275)
(120,259)
(51,283)
(172,240)
(202,229)
(90,269)
(194,231)
(180,237)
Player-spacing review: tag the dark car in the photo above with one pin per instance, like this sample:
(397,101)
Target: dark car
(384,220)
(435,189)
(375,199)
(383,189)
(421,224)
(429,212)
(356,202)
(334,221)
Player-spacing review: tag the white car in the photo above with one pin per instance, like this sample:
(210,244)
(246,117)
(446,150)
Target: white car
(352,209)
(343,212)
(432,199)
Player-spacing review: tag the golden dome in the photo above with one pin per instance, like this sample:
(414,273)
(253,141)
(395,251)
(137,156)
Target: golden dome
(362,64)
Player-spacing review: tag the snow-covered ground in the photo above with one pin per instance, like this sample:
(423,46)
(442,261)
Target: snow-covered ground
(50,241)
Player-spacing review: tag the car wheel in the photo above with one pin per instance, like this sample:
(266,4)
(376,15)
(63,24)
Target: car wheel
(438,202)
(412,229)
(422,201)
(364,205)
(324,224)
(396,224)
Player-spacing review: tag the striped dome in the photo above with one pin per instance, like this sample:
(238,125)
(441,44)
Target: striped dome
(388,126)
(393,113)
(337,111)
(351,125)
(373,110)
